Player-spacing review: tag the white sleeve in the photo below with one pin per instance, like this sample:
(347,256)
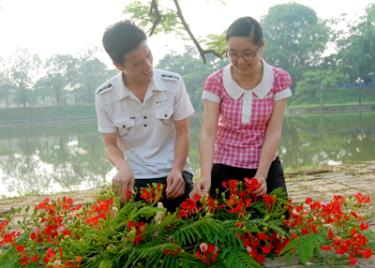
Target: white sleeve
(105,122)
(182,104)
(283,94)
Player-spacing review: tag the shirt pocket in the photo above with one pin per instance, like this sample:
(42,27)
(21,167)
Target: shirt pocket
(124,126)
(164,114)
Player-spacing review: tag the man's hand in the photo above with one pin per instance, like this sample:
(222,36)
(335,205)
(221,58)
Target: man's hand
(262,189)
(201,186)
(175,184)
(123,182)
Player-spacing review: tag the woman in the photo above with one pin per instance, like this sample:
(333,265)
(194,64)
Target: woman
(244,105)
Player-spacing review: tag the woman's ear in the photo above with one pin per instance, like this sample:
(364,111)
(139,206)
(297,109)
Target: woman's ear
(262,44)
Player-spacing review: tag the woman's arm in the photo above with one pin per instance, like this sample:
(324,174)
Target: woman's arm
(206,145)
(270,144)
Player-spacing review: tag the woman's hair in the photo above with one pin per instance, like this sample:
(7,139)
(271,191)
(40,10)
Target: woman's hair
(246,27)
(121,38)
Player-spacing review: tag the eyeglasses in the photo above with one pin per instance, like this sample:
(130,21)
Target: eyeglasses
(247,56)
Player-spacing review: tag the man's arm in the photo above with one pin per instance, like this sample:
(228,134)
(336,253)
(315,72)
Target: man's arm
(123,181)
(175,182)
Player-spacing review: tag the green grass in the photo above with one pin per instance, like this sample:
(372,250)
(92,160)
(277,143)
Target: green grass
(333,97)
(32,114)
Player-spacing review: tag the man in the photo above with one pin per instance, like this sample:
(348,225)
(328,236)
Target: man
(143,114)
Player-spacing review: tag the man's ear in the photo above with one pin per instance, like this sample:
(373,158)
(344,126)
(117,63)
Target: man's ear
(119,66)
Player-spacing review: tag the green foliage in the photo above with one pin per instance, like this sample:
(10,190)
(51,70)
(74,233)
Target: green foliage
(33,114)
(357,48)
(304,247)
(216,42)
(141,14)
(295,38)
(133,236)
(239,259)
(205,229)
(193,71)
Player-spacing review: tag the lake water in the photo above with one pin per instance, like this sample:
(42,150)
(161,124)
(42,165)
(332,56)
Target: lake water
(47,158)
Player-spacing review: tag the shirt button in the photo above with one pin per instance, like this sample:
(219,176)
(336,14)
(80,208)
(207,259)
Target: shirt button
(145,125)
(145,117)
(123,126)
(165,115)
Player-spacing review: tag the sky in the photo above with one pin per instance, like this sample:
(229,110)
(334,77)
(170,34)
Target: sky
(48,27)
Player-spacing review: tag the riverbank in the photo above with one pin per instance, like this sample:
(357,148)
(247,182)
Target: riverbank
(331,109)
(52,114)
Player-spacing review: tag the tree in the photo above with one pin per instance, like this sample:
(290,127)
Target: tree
(295,38)
(23,68)
(163,16)
(356,56)
(62,76)
(194,72)
(5,86)
(92,72)
(315,82)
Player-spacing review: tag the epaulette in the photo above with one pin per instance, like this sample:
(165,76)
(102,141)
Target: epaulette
(104,89)
(170,77)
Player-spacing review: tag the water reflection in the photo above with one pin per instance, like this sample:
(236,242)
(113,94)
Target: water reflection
(328,139)
(44,159)
(54,158)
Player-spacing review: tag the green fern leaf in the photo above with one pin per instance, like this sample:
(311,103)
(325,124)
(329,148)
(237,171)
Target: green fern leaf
(304,246)
(206,229)
(234,258)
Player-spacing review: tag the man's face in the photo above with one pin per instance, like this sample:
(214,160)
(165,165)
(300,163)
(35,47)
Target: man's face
(137,64)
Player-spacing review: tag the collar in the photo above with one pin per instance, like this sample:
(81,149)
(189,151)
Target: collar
(122,91)
(261,90)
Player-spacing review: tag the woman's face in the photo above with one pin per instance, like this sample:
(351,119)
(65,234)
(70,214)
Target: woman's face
(243,54)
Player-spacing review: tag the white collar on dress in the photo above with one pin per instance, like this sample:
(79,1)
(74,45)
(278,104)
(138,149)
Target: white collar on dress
(261,90)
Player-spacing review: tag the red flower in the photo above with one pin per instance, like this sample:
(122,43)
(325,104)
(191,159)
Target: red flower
(23,260)
(189,207)
(367,253)
(173,252)
(270,200)
(329,234)
(10,237)
(3,224)
(352,260)
(251,184)
(145,194)
(139,227)
(20,248)
(325,247)
(262,236)
(34,258)
(207,253)
(49,256)
(362,199)
(267,249)
(363,226)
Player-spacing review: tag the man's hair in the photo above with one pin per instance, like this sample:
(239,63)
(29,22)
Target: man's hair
(246,27)
(121,38)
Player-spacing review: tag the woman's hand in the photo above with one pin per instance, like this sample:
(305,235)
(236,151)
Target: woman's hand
(262,189)
(201,186)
